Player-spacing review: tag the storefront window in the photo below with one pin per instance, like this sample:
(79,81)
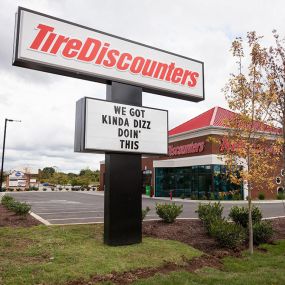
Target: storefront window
(196,182)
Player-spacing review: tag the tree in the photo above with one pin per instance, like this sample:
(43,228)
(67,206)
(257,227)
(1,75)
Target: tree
(253,141)
(59,178)
(88,174)
(46,173)
(275,69)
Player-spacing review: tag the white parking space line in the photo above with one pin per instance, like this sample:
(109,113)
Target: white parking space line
(74,212)
(64,202)
(72,224)
(87,218)
(48,209)
(60,205)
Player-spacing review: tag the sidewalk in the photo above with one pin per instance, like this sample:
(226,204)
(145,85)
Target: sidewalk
(213,201)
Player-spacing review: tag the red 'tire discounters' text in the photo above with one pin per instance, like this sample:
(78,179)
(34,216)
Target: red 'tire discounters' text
(94,51)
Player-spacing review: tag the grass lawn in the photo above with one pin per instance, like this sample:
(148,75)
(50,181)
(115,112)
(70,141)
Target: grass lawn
(266,268)
(57,254)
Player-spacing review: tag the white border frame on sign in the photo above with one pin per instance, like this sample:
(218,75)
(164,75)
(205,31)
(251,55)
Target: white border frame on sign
(80,129)
(17,61)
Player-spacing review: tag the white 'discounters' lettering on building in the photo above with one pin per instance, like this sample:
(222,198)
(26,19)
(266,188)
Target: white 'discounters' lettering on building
(54,45)
(124,128)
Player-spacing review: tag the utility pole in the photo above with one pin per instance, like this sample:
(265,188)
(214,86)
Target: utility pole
(3,150)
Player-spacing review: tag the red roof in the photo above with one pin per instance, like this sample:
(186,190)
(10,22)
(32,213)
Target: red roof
(212,117)
(215,117)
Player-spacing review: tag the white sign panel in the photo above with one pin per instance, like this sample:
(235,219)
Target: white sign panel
(17,175)
(50,44)
(114,127)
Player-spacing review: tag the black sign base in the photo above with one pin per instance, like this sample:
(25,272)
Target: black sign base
(123,203)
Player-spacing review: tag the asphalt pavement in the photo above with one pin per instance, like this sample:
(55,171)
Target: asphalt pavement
(88,207)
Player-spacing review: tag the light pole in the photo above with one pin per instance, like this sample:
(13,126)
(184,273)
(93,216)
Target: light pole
(3,151)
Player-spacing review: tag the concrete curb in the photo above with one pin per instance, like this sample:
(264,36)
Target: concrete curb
(213,201)
(90,193)
(147,220)
(90,223)
(74,224)
(273,218)
(40,219)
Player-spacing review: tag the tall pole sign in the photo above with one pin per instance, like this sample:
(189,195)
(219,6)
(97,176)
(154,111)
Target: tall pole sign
(119,127)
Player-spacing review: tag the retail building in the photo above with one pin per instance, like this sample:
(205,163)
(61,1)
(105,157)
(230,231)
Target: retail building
(194,166)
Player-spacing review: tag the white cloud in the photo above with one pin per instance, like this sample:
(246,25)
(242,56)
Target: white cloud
(46,103)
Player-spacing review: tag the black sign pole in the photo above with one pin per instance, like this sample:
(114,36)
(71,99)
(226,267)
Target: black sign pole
(123,202)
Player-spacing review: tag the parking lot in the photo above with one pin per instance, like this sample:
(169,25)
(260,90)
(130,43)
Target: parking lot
(88,207)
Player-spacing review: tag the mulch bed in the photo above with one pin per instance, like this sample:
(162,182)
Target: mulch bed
(10,219)
(191,232)
(279,228)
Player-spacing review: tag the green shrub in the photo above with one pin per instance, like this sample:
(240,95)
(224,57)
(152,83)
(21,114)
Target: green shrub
(18,189)
(261,196)
(44,189)
(168,212)
(19,208)
(280,196)
(210,212)
(182,196)
(6,200)
(194,196)
(3,189)
(229,196)
(237,196)
(227,234)
(240,215)
(11,204)
(144,212)
(262,232)
(212,196)
(34,188)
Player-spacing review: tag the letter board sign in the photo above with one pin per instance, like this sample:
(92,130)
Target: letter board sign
(53,45)
(103,126)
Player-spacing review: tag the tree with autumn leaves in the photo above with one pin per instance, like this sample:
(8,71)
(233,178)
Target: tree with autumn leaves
(254,139)
(275,72)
